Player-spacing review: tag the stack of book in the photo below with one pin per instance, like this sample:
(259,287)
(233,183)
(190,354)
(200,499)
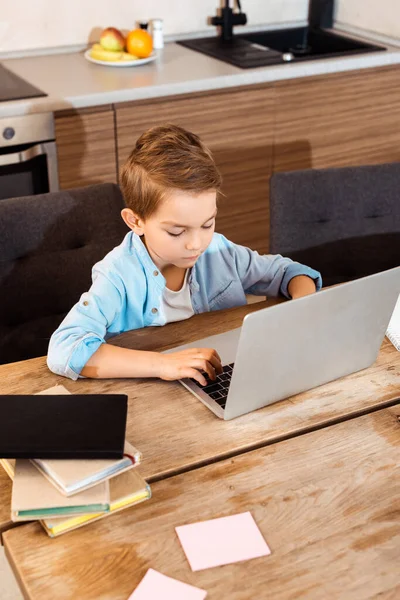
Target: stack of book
(65,494)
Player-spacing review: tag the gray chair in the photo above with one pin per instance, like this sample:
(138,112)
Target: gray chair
(48,245)
(343,222)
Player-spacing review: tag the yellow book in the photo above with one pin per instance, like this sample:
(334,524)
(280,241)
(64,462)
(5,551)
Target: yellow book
(8,465)
(126,489)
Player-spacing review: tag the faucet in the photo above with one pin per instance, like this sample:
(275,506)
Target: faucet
(227,19)
(320,13)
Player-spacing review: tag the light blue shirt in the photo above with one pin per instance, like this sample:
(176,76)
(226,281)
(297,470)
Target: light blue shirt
(128,287)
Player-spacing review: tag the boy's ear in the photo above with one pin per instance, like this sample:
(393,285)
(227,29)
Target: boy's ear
(133,221)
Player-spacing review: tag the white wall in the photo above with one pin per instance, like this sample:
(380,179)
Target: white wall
(34,24)
(379,16)
(40,24)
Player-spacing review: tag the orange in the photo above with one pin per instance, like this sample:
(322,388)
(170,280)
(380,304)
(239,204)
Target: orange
(139,42)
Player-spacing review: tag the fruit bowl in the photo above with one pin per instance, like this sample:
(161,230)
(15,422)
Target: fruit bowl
(135,62)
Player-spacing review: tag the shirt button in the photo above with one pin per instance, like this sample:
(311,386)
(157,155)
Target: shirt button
(155,273)
(85,303)
(154,311)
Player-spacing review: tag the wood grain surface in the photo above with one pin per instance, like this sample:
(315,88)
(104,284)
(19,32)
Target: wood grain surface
(334,120)
(327,504)
(86,147)
(238,129)
(338,120)
(176,432)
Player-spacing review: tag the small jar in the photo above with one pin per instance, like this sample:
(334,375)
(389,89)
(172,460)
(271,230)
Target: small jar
(157,33)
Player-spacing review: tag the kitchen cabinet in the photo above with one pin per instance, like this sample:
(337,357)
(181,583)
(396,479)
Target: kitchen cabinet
(342,119)
(237,125)
(338,120)
(86,146)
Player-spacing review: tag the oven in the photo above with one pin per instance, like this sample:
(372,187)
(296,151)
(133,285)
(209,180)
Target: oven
(28,157)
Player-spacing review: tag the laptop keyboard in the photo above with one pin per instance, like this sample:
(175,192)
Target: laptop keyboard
(218,389)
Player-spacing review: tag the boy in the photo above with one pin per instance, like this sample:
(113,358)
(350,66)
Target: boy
(169,267)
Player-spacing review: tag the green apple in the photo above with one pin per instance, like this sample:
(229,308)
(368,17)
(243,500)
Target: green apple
(112,39)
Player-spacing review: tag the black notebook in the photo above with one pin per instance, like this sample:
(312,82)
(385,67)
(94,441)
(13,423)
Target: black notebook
(63,426)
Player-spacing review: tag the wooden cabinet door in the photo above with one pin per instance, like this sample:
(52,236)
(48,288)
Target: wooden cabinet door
(86,147)
(338,120)
(237,127)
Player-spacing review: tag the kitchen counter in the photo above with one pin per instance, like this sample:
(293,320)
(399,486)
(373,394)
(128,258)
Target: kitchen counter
(70,81)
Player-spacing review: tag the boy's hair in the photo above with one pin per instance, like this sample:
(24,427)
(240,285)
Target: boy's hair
(164,158)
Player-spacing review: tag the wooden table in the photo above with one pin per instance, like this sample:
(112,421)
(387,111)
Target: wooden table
(327,503)
(176,432)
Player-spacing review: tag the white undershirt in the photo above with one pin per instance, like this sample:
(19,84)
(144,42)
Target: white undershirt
(177,306)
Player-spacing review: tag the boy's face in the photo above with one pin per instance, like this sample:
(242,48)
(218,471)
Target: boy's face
(180,230)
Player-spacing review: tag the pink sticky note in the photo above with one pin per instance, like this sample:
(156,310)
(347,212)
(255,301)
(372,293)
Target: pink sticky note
(222,541)
(155,586)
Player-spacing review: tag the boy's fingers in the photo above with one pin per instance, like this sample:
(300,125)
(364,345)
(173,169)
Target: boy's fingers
(214,358)
(218,356)
(195,374)
(216,363)
(209,354)
(204,365)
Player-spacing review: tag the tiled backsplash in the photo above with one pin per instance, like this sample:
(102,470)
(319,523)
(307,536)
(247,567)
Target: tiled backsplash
(40,24)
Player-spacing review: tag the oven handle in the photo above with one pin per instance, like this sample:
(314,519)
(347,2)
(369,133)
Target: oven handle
(24,156)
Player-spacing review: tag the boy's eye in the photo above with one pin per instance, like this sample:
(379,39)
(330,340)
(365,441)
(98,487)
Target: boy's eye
(180,233)
(174,234)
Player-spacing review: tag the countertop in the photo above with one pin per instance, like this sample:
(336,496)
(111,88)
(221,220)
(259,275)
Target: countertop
(70,81)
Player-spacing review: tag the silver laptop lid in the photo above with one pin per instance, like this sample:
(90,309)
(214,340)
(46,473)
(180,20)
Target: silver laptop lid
(295,346)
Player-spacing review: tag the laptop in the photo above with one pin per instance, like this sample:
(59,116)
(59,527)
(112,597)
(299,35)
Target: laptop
(298,345)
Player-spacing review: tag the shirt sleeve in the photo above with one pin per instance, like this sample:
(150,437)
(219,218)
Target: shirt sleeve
(268,274)
(84,328)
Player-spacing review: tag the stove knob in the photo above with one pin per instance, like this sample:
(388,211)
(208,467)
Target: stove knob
(8,133)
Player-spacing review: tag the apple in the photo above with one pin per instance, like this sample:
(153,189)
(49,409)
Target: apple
(112,39)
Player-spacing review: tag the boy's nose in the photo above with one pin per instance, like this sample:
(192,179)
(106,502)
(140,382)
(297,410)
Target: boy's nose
(194,244)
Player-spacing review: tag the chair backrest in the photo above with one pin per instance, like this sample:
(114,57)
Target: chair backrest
(344,222)
(48,245)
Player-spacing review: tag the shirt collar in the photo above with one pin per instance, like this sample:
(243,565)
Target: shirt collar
(145,258)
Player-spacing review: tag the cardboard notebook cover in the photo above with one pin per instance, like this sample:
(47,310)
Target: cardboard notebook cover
(126,490)
(63,426)
(33,497)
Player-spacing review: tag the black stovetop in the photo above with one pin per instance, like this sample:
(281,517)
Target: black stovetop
(13,87)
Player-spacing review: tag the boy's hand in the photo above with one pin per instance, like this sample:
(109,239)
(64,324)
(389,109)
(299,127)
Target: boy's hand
(301,285)
(190,363)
